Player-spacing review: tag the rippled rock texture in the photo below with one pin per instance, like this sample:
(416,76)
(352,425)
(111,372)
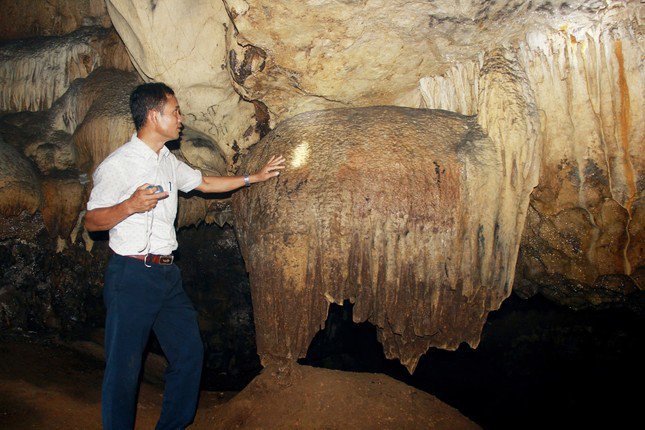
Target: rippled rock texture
(391,208)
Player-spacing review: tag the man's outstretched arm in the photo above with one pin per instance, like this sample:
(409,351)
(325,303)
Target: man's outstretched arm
(142,200)
(222,184)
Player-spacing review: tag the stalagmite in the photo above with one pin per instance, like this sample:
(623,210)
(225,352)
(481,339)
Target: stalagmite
(415,216)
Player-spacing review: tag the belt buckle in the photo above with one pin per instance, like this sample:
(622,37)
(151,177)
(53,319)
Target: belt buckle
(166,259)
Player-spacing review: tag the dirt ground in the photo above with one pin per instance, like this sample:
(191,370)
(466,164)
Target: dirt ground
(52,386)
(304,397)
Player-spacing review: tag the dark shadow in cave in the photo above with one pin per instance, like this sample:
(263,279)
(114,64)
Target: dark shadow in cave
(539,365)
(215,278)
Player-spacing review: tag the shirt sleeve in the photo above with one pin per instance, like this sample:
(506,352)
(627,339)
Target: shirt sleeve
(187,178)
(108,187)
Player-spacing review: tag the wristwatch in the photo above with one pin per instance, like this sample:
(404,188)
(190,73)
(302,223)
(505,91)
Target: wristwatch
(247,180)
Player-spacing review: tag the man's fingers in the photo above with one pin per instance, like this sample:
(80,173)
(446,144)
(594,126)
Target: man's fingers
(276,159)
(161,196)
(155,196)
(276,168)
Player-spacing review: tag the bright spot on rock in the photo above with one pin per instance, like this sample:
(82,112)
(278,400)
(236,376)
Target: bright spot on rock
(300,154)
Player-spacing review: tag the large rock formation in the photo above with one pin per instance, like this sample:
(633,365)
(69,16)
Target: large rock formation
(19,185)
(391,208)
(240,67)
(583,244)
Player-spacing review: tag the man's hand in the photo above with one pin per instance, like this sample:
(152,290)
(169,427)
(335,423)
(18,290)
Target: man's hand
(223,184)
(144,199)
(270,170)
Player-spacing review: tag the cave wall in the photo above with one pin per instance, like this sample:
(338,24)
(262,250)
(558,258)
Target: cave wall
(583,244)
(241,67)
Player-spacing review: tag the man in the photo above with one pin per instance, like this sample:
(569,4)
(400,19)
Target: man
(143,289)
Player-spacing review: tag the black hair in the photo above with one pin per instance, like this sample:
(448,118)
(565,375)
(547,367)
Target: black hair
(147,97)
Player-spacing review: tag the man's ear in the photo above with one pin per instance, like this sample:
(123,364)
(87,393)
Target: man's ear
(152,117)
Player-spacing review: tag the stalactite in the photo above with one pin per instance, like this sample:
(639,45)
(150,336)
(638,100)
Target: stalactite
(585,82)
(39,70)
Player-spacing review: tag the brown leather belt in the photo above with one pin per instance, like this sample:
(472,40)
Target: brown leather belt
(154,258)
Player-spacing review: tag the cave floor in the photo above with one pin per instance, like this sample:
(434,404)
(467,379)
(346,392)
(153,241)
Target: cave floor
(51,386)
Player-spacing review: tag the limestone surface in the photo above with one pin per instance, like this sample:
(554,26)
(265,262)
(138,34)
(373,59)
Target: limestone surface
(582,60)
(183,43)
(391,209)
(585,220)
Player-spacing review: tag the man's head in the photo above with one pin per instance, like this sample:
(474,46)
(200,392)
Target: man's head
(156,113)
(148,97)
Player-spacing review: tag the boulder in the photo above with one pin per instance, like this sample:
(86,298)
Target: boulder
(413,215)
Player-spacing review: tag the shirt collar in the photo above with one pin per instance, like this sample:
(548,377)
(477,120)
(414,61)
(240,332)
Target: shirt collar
(143,149)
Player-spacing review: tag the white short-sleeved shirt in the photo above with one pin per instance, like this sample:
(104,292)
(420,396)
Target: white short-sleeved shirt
(120,174)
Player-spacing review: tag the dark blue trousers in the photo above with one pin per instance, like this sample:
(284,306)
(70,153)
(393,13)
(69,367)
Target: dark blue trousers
(139,299)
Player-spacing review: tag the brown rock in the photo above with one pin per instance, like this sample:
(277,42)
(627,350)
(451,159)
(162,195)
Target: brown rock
(387,207)
(19,183)
(63,201)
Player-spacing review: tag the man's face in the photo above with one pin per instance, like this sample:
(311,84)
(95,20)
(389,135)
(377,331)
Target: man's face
(169,120)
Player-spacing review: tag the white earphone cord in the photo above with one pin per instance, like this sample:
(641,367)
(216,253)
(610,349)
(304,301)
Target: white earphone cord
(150,213)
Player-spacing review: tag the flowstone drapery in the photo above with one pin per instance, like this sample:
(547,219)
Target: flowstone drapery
(413,215)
